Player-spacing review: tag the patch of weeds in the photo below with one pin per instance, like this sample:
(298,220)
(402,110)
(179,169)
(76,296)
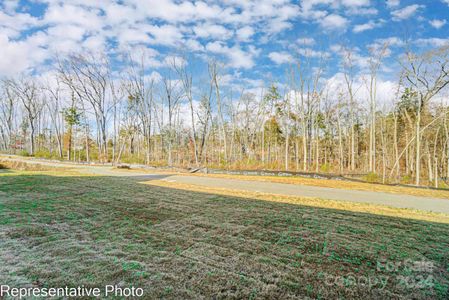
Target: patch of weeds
(442,290)
(309,289)
(132,265)
(168,290)
(243,278)
(253,294)
(178,251)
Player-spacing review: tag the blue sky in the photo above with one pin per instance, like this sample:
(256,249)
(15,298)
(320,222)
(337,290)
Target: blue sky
(256,40)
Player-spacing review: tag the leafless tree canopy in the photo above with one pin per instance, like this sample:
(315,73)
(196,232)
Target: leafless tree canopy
(86,111)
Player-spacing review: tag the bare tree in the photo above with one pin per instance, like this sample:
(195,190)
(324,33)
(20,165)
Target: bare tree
(88,76)
(213,73)
(427,74)
(187,83)
(7,115)
(29,93)
(171,95)
(54,106)
(375,61)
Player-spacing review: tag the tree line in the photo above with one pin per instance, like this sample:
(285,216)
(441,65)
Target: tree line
(87,111)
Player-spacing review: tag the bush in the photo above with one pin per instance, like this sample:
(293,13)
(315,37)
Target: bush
(132,159)
(406,179)
(372,177)
(325,168)
(24,153)
(42,154)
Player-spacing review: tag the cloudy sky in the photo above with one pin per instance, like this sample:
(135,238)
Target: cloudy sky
(255,39)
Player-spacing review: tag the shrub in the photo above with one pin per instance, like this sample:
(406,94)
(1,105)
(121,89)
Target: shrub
(43,154)
(24,153)
(325,168)
(372,177)
(406,179)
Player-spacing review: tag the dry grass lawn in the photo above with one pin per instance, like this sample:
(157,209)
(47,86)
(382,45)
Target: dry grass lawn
(67,229)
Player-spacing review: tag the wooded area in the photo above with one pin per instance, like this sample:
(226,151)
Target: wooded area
(90,112)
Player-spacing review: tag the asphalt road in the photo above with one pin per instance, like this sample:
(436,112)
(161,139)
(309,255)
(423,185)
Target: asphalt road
(380,198)
(393,200)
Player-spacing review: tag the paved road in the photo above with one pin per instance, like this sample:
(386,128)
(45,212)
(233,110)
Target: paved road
(393,200)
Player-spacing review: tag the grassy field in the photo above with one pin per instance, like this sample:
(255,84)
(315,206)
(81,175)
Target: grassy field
(60,229)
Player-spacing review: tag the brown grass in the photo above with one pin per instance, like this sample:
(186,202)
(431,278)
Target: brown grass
(23,166)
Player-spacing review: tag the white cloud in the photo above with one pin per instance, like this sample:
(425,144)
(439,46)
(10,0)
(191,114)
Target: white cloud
(173,12)
(141,54)
(437,23)
(367,26)
(237,57)
(391,41)
(213,31)
(10,5)
(95,43)
(334,22)
(78,25)
(227,28)
(309,52)
(406,12)
(277,25)
(19,56)
(194,45)
(76,15)
(167,35)
(336,48)
(363,27)
(131,36)
(281,57)
(356,3)
(385,90)
(14,23)
(362,11)
(432,42)
(393,3)
(316,9)
(116,14)
(67,31)
(244,33)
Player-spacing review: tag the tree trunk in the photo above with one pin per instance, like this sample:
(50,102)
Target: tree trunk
(418,148)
